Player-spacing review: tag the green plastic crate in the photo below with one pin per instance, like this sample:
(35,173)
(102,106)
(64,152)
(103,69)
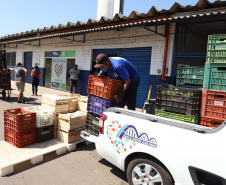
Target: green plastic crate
(181,117)
(190,75)
(215,77)
(216,49)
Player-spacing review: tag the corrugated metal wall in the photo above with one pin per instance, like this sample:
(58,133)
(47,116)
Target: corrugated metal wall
(141,59)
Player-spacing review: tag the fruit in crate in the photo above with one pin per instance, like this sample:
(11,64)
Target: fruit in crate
(73,100)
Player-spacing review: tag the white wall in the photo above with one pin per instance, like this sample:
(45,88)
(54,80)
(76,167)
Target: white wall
(127,38)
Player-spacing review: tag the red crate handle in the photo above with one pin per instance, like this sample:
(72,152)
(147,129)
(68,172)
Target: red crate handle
(99,84)
(218,96)
(27,135)
(11,134)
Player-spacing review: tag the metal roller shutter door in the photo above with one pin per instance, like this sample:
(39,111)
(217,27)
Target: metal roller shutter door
(106,51)
(141,59)
(28,65)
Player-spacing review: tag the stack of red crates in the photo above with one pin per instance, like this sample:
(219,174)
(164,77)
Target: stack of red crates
(19,127)
(213,111)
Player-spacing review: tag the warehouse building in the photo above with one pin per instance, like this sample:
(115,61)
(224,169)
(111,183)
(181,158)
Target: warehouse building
(154,42)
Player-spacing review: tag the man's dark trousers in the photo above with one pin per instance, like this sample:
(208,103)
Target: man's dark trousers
(131,95)
(74,83)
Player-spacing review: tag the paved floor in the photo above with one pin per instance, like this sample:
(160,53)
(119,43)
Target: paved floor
(83,166)
(41,90)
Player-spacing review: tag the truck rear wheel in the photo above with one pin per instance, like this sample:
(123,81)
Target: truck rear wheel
(145,171)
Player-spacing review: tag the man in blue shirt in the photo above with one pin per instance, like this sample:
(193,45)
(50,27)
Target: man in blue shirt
(120,68)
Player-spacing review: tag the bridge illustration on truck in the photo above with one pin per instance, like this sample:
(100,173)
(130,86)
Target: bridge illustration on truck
(130,132)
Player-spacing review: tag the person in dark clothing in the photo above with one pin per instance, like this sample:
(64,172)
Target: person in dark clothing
(120,68)
(36,74)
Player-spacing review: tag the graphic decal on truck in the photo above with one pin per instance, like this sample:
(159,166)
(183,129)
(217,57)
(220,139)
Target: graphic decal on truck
(130,132)
(125,138)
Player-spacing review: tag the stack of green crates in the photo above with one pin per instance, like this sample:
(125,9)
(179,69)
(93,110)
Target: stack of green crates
(215,67)
(215,76)
(189,75)
(216,49)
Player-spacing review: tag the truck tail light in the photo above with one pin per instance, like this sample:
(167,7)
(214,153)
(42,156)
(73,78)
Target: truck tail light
(101,123)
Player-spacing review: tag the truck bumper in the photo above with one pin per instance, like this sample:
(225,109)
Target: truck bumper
(89,137)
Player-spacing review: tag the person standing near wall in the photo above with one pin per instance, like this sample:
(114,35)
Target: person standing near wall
(74,76)
(20,75)
(36,74)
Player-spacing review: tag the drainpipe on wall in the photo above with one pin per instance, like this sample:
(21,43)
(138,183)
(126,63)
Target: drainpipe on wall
(165,52)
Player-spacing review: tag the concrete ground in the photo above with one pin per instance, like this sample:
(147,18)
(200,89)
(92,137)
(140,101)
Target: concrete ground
(41,90)
(83,166)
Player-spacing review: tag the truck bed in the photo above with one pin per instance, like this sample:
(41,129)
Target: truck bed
(166,121)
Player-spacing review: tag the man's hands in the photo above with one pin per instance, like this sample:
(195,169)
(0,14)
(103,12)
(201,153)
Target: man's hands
(118,99)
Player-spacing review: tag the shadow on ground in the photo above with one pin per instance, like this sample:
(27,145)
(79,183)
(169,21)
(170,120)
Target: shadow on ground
(114,170)
(83,147)
(27,100)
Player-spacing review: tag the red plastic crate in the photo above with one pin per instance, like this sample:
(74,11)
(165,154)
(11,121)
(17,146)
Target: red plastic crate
(27,120)
(213,104)
(104,87)
(20,139)
(209,122)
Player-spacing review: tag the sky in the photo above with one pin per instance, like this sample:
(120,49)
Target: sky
(24,15)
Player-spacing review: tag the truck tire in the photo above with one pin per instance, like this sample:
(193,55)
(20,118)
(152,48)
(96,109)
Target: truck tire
(144,171)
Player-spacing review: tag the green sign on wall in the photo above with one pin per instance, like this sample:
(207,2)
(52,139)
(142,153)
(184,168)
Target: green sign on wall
(67,54)
(64,54)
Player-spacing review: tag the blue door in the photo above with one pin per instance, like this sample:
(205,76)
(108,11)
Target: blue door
(141,59)
(28,66)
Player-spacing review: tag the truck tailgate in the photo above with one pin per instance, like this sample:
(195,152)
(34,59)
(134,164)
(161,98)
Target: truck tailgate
(88,136)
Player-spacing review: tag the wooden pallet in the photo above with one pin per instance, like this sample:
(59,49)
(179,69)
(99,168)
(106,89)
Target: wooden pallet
(10,155)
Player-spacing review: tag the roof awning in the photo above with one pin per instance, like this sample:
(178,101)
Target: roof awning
(202,11)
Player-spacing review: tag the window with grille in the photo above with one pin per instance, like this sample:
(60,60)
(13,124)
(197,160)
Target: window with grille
(11,59)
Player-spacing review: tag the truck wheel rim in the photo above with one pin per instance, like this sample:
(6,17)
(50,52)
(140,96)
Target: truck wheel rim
(146,174)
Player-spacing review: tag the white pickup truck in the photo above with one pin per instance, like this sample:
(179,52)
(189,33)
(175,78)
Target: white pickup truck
(160,151)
